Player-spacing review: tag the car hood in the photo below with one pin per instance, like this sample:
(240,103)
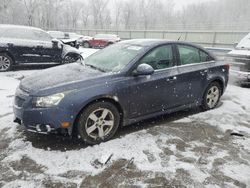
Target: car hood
(67,49)
(239,53)
(64,77)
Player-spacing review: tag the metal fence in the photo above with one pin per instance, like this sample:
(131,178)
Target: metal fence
(225,39)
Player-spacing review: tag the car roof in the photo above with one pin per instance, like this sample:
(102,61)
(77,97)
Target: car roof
(155,42)
(55,32)
(9,26)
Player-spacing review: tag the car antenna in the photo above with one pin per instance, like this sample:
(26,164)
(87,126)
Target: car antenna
(179,38)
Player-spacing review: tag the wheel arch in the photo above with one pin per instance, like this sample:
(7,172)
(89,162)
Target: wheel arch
(92,101)
(73,54)
(9,54)
(220,82)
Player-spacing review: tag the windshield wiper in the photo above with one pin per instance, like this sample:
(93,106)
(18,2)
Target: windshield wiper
(94,67)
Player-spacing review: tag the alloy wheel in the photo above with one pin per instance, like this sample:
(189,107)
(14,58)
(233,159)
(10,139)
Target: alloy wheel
(4,63)
(69,59)
(99,123)
(213,96)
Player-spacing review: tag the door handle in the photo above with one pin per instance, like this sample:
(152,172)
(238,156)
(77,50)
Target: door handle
(171,79)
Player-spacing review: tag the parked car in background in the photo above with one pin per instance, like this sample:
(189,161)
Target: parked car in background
(22,44)
(80,38)
(241,61)
(66,38)
(101,40)
(119,85)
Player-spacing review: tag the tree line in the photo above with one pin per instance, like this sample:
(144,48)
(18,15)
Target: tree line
(126,14)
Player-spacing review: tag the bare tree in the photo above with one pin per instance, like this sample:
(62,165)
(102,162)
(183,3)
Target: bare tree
(128,14)
(85,13)
(31,6)
(117,12)
(74,12)
(99,8)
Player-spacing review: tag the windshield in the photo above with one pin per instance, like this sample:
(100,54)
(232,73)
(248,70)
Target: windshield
(113,58)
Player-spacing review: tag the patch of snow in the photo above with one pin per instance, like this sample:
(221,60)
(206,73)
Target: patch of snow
(240,172)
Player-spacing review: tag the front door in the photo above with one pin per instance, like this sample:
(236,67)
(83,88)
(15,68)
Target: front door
(154,93)
(45,48)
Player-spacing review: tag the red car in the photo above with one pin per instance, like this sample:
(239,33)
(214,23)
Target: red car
(101,40)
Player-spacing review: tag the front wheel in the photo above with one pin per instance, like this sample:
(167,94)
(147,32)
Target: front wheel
(5,62)
(98,122)
(212,96)
(70,59)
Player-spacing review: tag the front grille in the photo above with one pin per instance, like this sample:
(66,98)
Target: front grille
(19,101)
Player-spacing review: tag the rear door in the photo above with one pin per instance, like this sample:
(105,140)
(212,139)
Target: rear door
(155,93)
(193,67)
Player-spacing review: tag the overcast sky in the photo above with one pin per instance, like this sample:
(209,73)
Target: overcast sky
(179,4)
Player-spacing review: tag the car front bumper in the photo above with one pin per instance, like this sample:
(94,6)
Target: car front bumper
(41,120)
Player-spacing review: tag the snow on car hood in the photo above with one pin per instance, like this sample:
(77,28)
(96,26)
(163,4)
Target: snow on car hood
(69,49)
(58,76)
(244,43)
(239,52)
(68,40)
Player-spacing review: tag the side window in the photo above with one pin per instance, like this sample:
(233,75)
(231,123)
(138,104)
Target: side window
(205,57)
(40,35)
(159,58)
(188,54)
(19,33)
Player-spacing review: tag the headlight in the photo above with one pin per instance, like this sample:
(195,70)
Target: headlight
(49,101)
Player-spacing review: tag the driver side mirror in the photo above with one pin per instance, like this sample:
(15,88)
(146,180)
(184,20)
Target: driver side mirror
(55,43)
(143,70)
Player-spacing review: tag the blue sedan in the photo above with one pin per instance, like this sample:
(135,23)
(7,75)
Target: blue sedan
(122,84)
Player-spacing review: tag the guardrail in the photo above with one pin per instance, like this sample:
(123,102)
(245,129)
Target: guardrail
(206,38)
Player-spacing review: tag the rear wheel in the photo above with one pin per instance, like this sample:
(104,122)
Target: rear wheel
(212,96)
(86,44)
(6,62)
(98,122)
(70,58)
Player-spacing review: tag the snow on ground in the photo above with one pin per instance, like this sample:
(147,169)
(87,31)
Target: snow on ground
(185,149)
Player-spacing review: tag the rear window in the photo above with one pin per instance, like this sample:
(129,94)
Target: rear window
(192,55)
(57,34)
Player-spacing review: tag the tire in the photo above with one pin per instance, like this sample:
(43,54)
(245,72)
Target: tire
(212,96)
(98,122)
(86,44)
(110,43)
(6,62)
(70,58)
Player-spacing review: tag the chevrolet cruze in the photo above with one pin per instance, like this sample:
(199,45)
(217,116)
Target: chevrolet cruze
(119,85)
